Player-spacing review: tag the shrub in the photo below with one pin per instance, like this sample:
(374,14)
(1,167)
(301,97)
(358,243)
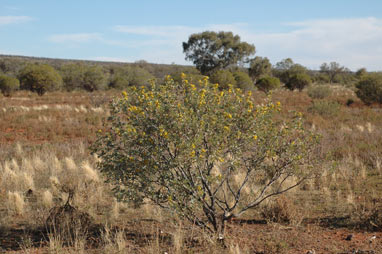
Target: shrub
(130,76)
(182,148)
(94,79)
(224,78)
(73,76)
(40,78)
(243,81)
(370,89)
(298,81)
(138,76)
(268,83)
(119,82)
(191,77)
(325,108)
(8,85)
(319,91)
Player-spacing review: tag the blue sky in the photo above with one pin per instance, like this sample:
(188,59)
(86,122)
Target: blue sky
(309,31)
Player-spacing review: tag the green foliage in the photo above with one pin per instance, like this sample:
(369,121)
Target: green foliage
(211,51)
(321,78)
(11,66)
(298,81)
(325,108)
(319,91)
(370,89)
(361,73)
(40,78)
(8,85)
(94,79)
(206,154)
(268,83)
(243,81)
(130,76)
(193,78)
(332,69)
(289,73)
(224,78)
(73,76)
(259,67)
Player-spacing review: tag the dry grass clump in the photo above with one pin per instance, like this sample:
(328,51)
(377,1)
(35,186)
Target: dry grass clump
(37,183)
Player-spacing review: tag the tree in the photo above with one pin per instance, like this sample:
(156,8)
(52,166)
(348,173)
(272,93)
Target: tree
(94,79)
(361,73)
(206,154)
(224,78)
(40,78)
(287,69)
(259,67)
(332,70)
(243,81)
(370,89)
(8,85)
(73,76)
(268,83)
(284,65)
(211,51)
(125,76)
(298,81)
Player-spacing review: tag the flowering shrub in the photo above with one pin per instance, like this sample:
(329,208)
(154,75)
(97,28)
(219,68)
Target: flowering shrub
(209,155)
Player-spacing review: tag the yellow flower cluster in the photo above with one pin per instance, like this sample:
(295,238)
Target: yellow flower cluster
(163,132)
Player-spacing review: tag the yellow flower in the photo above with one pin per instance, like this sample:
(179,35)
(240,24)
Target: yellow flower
(182,75)
(228,115)
(192,154)
(124,93)
(203,150)
(254,137)
(226,128)
(278,103)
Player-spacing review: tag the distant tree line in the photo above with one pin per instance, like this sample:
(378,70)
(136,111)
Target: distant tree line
(222,56)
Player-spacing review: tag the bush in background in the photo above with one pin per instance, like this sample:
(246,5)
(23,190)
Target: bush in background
(94,79)
(298,81)
(319,91)
(370,89)
(243,81)
(224,78)
(40,78)
(325,108)
(8,85)
(268,83)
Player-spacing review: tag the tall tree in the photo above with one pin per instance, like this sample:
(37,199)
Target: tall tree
(210,51)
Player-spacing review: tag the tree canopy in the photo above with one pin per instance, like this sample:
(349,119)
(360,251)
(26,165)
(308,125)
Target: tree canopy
(40,78)
(210,51)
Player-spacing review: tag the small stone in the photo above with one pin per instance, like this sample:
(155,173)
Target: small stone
(349,237)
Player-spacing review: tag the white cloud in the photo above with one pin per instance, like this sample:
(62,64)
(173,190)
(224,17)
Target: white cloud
(354,42)
(75,38)
(7,20)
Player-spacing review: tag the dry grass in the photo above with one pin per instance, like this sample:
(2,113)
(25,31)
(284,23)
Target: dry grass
(44,157)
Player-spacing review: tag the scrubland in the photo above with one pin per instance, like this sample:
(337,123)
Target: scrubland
(45,163)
